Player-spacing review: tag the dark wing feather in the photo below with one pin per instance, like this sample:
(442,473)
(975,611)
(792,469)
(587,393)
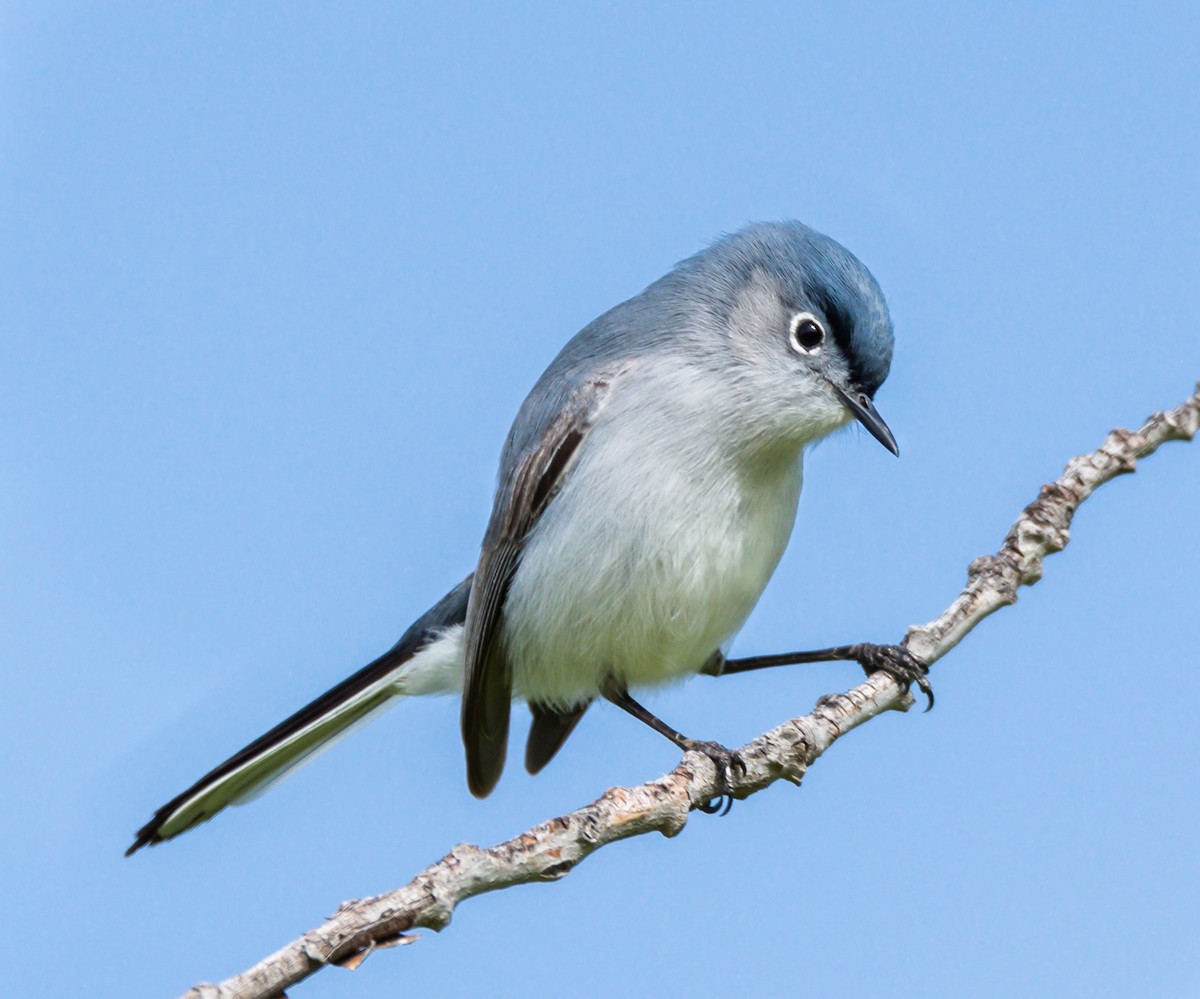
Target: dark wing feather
(520,500)
(487,694)
(548,731)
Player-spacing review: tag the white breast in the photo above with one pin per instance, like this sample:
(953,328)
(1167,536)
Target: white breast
(647,561)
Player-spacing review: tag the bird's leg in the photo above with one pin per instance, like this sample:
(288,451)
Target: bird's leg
(895,660)
(725,760)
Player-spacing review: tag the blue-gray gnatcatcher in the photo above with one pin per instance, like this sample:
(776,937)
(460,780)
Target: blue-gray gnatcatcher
(647,491)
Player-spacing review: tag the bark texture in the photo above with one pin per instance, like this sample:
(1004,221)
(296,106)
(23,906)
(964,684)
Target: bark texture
(551,850)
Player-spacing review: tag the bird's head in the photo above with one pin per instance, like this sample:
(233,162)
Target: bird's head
(806,323)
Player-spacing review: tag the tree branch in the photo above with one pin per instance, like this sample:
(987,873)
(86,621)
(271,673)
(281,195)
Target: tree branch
(550,851)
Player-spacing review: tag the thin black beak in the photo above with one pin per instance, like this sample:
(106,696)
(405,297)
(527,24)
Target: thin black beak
(860,404)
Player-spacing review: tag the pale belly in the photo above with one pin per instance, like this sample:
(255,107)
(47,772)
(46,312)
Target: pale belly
(645,584)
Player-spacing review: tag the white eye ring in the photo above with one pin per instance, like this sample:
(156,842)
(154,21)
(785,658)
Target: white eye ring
(807,334)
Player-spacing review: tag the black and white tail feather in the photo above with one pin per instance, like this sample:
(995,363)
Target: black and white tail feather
(426,660)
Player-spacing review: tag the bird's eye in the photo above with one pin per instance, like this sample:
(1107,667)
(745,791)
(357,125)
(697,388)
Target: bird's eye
(807,333)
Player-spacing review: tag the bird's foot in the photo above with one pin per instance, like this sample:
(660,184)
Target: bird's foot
(727,762)
(896,661)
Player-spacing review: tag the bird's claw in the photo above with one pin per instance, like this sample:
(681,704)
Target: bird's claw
(897,662)
(726,762)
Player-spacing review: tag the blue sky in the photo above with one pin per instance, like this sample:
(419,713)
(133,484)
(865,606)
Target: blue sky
(274,279)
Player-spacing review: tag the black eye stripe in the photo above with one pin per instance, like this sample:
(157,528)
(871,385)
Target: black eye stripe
(841,329)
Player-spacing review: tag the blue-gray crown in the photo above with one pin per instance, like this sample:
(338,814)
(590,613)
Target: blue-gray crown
(815,273)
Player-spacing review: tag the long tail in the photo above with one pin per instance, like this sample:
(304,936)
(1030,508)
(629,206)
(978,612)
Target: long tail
(426,660)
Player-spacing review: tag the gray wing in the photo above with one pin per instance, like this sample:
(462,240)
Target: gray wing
(536,472)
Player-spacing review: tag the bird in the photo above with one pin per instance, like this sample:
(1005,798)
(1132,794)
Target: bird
(646,492)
